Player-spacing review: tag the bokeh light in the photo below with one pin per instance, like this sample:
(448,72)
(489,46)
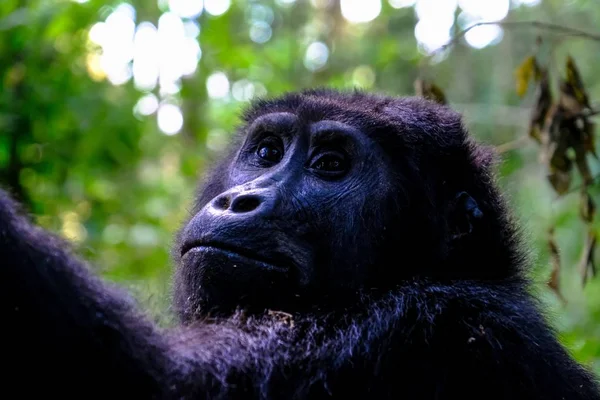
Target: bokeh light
(259,12)
(360,11)
(151,55)
(216,7)
(158,56)
(115,37)
(436,10)
(436,21)
(146,105)
(143,235)
(170,119)
(145,59)
(432,35)
(186,8)
(482,36)
(436,18)
(529,3)
(260,32)
(216,140)
(363,76)
(316,56)
(402,3)
(191,29)
(494,10)
(217,85)
(245,90)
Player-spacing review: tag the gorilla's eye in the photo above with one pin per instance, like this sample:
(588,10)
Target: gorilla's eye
(270,149)
(330,164)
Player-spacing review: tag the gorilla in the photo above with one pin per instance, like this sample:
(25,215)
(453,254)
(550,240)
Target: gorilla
(347,244)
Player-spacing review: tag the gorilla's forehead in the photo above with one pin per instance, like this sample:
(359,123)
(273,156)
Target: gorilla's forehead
(317,105)
(409,118)
(285,122)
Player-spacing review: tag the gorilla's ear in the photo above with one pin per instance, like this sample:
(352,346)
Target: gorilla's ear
(464,212)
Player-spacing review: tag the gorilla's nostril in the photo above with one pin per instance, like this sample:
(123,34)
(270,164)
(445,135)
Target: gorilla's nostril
(222,203)
(245,203)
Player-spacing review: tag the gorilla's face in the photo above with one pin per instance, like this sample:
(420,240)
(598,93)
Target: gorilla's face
(303,214)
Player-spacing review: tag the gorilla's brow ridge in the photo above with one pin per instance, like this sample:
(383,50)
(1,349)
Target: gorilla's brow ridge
(321,129)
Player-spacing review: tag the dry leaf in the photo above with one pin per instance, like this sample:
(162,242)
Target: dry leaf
(587,208)
(566,136)
(580,155)
(542,106)
(587,265)
(569,104)
(557,142)
(560,181)
(429,91)
(575,83)
(589,142)
(554,282)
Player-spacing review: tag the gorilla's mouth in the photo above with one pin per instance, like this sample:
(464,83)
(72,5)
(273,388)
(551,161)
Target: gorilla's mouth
(237,252)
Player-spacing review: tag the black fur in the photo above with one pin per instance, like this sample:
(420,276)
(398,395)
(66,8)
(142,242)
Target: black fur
(433,311)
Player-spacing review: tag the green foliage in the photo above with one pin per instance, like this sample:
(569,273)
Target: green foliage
(91,169)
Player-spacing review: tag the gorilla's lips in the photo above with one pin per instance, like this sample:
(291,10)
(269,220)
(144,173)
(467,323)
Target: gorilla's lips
(233,252)
(226,276)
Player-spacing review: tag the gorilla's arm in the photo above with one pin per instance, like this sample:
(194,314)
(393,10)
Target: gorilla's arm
(68,333)
(64,328)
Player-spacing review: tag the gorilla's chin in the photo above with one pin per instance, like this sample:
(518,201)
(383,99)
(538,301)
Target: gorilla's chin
(227,278)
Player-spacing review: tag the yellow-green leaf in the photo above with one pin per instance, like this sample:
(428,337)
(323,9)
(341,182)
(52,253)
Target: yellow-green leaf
(525,72)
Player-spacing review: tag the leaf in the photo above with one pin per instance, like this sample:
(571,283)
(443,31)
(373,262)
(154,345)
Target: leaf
(589,141)
(582,163)
(557,144)
(550,134)
(587,208)
(541,108)
(587,266)
(575,82)
(560,167)
(525,72)
(430,91)
(554,282)
(573,97)
(564,133)
(568,101)
(560,181)
(437,94)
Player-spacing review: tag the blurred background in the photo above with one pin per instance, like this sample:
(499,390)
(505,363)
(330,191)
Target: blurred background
(111,111)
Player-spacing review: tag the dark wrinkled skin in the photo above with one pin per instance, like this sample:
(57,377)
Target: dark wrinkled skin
(286,215)
(396,273)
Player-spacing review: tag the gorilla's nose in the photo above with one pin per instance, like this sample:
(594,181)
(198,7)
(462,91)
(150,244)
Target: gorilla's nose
(229,218)
(255,201)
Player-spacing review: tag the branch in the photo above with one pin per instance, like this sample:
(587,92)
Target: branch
(512,145)
(496,114)
(510,24)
